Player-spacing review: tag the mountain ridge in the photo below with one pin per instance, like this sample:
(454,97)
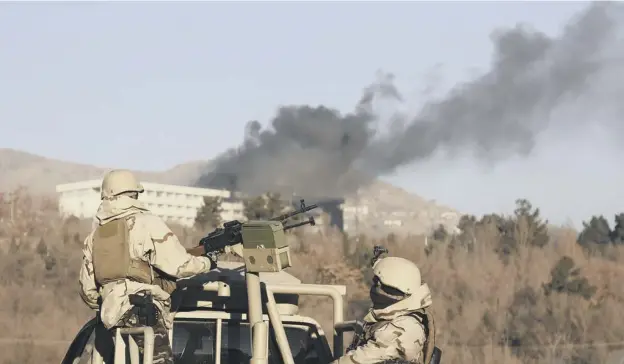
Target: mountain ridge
(41,174)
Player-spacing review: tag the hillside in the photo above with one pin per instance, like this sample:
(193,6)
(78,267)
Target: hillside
(390,209)
(386,204)
(40,175)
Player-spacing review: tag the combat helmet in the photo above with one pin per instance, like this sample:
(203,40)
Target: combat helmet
(119,181)
(396,277)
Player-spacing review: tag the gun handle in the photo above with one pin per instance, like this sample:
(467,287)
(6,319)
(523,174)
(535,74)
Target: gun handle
(437,355)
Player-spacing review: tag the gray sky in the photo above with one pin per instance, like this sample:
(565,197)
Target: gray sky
(151,85)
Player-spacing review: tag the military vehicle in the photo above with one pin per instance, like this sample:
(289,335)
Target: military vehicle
(239,313)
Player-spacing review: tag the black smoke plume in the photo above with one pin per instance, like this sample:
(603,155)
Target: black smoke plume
(320,152)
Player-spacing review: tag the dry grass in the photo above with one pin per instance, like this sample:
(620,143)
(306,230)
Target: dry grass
(481,304)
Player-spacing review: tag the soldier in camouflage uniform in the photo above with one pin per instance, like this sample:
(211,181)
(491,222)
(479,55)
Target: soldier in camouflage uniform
(398,328)
(131,253)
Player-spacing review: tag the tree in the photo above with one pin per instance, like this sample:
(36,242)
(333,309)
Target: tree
(505,233)
(617,235)
(263,207)
(467,226)
(566,278)
(14,246)
(597,236)
(595,232)
(530,228)
(472,229)
(42,248)
(507,243)
(209,215)
(440,233)
(533,319)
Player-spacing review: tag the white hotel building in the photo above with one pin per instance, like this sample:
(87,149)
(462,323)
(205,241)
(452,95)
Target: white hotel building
(176,204)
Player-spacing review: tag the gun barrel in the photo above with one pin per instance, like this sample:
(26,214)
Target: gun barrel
(309,221)
(293,213)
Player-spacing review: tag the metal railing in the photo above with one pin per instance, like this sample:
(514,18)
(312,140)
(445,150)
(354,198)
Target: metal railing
(120,346)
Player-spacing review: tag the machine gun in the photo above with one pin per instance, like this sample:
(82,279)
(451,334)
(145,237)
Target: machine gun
(232,232)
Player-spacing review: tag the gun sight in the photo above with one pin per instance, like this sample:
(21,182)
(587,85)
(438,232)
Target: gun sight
(303,208)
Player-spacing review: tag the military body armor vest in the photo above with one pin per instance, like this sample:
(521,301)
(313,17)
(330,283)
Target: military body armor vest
(367,331)
(112,262)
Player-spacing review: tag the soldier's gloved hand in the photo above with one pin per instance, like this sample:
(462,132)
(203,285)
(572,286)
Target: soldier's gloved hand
(235,249)
(214,258)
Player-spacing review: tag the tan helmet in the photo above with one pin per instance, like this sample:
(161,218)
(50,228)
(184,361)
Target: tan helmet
(398,273)
(119,181)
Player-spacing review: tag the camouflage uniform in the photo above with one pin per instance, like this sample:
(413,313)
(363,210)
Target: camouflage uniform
(396,327)
(150,242)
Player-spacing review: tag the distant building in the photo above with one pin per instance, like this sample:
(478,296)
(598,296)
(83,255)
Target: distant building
(352,216)
(176,204)
(333,208)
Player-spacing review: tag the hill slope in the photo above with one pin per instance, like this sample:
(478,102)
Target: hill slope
(388,208)
(40,175)
(385,209)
